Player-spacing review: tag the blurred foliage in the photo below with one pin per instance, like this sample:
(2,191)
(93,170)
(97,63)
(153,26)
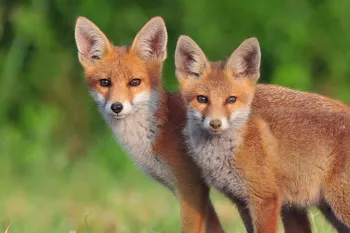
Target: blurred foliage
(47,119)
(45,108)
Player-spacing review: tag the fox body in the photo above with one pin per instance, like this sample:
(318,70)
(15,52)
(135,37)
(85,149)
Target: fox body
(259,145)
(148,122)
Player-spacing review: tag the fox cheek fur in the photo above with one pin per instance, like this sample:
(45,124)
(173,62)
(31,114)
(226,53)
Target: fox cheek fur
(234,121)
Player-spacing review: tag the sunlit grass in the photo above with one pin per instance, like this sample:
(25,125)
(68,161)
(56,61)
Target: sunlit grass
(7,229)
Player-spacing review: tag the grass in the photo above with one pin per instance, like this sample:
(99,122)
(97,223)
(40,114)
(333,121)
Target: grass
(7,228)
(102,192)
(87,198)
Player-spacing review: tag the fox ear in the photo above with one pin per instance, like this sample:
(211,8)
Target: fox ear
(92,44)
(245,60)
(190,60)
(151,41)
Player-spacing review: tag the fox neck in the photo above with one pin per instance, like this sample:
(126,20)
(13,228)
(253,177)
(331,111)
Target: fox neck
(200,141)
(214,154)
(137,132)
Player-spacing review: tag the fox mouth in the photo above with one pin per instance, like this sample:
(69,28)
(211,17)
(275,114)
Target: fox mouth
(119,116)
(215,132)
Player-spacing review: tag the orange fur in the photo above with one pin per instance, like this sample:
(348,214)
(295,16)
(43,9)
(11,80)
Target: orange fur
(122,64)
(293,149)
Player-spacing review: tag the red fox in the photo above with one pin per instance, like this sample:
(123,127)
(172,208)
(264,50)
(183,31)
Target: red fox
(265,147)
(126,83)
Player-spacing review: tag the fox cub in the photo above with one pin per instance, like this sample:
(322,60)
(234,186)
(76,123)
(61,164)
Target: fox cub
(263,146)
(126,83)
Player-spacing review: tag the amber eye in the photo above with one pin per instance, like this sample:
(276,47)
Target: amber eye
(202,99)
(135,82)
(105,82)
(231,99)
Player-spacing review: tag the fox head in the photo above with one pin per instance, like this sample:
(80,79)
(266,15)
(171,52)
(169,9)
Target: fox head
(122,79)
(218,94)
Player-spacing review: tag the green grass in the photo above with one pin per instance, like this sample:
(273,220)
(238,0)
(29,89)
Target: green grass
(43,189)
(87,197)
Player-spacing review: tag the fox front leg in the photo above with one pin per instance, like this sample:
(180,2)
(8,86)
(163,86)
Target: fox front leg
(265,212)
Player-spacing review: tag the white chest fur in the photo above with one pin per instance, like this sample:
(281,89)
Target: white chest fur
(136,134)
(214,155)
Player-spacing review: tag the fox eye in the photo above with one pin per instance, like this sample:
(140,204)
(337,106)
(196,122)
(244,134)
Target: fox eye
(135,82)
(231,99)
(202,99)
(105,82)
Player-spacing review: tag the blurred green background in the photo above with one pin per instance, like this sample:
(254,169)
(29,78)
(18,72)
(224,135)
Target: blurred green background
(60,168)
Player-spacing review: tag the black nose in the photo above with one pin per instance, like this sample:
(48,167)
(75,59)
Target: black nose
(117,107)
(215,124)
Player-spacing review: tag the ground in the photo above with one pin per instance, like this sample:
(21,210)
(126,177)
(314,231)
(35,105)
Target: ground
(88,198)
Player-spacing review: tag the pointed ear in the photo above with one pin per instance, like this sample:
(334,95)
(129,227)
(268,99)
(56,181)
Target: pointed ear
(151,41)
(245,60)
(190,60)
(92,44)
